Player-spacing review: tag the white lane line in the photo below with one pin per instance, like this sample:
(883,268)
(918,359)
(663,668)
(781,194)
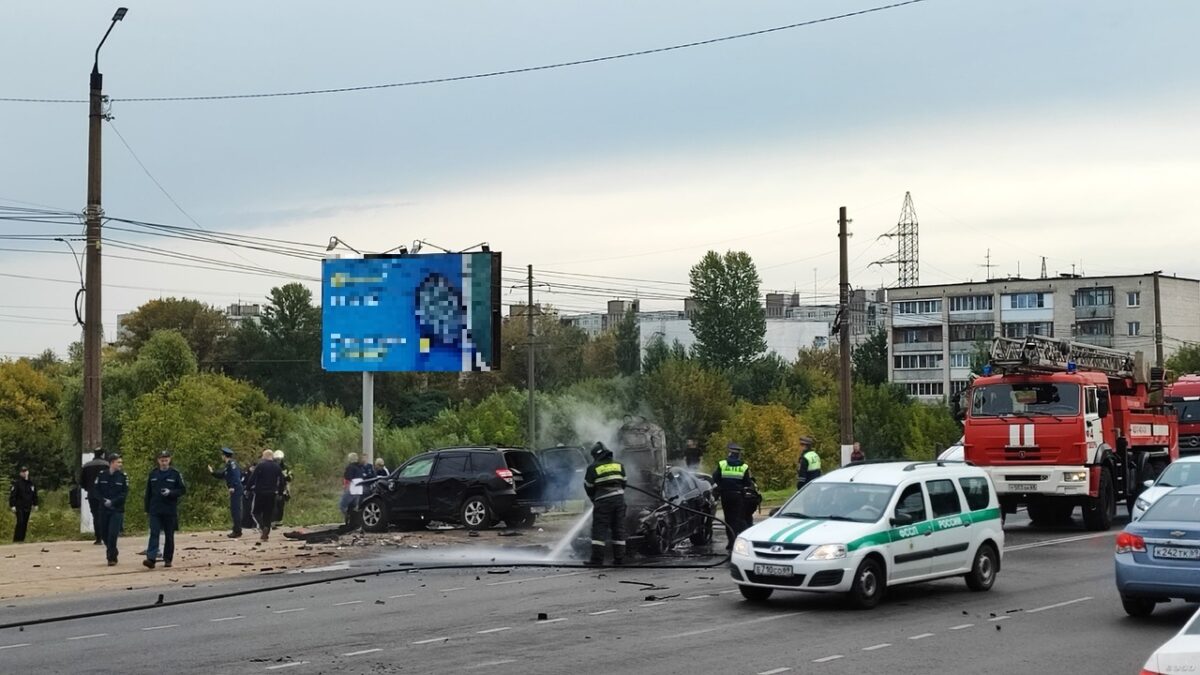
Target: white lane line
(88,637)
(493,630)
(962,626)
(431,640)
(402,595)
(451,590)
(698,597)
(23,644)
(1000,618)
(287,665)
(486,664)
(727,626)
(729,591)
(1059,604)
(545,621)
(363,651)
(517,581)
(1055,542)
(654,604)
(227,618)
(922,636)
(775,671)
(289,611)
(348,602)
(603,611)
(827,659)
(170,625)
(881,645)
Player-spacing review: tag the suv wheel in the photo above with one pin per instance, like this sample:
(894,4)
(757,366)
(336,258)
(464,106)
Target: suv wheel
(374,516)
(523,519)
(868,586)
(475,513)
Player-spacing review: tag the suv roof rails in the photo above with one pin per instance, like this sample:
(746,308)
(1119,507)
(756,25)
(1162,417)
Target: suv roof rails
(938,462)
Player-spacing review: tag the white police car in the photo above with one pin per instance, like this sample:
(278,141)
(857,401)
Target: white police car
(1182,472)
(864,527)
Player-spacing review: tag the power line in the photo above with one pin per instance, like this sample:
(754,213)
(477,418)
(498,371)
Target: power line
(484,75)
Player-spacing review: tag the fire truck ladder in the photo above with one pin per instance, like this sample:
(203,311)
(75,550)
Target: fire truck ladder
(1050,355)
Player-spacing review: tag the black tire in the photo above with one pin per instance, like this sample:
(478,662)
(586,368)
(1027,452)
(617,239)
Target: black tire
(704,534)
(756,593)
(374,515)
(522,519)
(869,584)
(1038,512)
(1138,607)
(1099,511)
(475,513)
(983,570)
(658,537)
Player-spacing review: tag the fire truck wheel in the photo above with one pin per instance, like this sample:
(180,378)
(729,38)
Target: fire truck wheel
(1099,511)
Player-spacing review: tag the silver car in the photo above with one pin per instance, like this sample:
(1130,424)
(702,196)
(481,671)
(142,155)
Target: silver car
(1185,471)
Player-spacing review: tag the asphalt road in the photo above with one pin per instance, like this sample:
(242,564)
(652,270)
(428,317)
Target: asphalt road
(1053,609)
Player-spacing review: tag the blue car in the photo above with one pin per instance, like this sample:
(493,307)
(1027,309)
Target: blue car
(1158,556)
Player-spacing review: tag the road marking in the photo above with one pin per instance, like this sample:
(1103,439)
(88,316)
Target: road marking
(227,618)
(348,602)
(603,611)
(654,604)
(289,611)
(727,626)
(729,591)
(1055,542)
(881,645)
(962,627)
(493,630)
(698,597)
(170,625)
(517,581)
(543,621)
(451,590)
(87,637)
(774,672)
(363,651)
(827,659)
(431,640)
(287,665)
(402,595)
(1060,604)
(1000,618)
(922,636)
(23,644)
(485,664)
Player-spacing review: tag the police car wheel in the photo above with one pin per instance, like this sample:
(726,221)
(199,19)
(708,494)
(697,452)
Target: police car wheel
(983,570)
(756,593)
(869,582)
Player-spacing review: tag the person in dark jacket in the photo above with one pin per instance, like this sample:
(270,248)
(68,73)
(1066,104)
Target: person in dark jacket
(164,487)
(113,488)
(604,482)
(856,455)
(232,476)
(87,480)
(732,478)
(277,517)
(266,483)
(248,521)
(349,475)
(691,454)
(23,500)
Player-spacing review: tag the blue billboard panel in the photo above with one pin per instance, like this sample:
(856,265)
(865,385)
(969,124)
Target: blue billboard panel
(414,313)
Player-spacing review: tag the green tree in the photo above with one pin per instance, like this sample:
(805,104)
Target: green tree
(282,353)
(600,357)
(688,400)
(729,322)
(30,433)
(629,344)
(558,358)
(759,379)
(770,435)
(657,352)
(201,325)
(870,359)
(1184,361)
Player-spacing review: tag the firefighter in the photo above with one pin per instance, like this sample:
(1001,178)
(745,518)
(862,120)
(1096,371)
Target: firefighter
(732,477)
(604,482)
(809,466)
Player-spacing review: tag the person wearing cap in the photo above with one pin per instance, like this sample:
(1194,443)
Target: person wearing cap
(87,480)
(164,487)
(23,500)
(732,478)
(604,483)
(809,466)
(232,476)
(112,487)
(277,518)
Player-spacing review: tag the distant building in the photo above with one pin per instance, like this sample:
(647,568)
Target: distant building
(239,312)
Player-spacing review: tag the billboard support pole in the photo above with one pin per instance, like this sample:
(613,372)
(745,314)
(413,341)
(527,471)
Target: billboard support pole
(368,416)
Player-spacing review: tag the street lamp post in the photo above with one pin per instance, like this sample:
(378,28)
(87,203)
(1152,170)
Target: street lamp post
(93,336)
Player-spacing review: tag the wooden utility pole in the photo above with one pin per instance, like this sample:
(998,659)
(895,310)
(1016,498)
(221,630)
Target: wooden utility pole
(845,390)
(529,345)
(1158,327)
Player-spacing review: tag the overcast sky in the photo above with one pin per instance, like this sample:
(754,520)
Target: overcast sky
(1062,129)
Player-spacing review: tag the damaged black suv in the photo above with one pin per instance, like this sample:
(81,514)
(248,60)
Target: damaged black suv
(475,487)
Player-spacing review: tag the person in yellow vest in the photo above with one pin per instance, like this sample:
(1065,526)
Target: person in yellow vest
(732,477)
(604,482)
(809,466)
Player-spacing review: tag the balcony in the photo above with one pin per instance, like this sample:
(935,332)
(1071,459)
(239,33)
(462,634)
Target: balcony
(1096,340)
(911,347)
(902,376)
(1094,313)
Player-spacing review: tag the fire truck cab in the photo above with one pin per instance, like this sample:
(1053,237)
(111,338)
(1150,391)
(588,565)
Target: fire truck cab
(1184,396)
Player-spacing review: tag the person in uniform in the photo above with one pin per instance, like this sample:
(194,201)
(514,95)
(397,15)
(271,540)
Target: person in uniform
(232,476)
(604,483)
(87,480)
(23,500)
(809,467)
(113,487)
(164,487)
(277,519)
(267,484)
(732,477)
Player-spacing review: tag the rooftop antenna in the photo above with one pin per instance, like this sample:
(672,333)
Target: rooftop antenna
(907,256)
(1043,267)
(988,264)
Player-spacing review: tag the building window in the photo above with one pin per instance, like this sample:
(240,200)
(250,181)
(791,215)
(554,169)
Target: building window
(1026,300)
(924,388)
(1093,297)
(1133,299)
(1027,328)
(970,303)
(971,332)
(960,360)
(915,335)
(911,361)
(1134,327)
(919,307)
(1094,328)
(958,386)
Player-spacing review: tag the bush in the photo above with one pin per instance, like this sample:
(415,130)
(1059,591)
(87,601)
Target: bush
(770,436)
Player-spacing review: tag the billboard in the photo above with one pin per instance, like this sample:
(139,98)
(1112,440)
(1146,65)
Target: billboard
(434,312)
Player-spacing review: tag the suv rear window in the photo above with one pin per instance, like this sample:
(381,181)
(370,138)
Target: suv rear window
(976,491)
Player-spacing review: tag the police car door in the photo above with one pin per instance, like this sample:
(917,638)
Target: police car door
(911,544)
(950,534)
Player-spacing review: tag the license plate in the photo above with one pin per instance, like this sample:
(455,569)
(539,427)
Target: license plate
(1022,487)
(1177,553)
(772,570)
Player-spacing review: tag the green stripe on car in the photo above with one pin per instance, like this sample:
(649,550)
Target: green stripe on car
(789,529)
(924,527)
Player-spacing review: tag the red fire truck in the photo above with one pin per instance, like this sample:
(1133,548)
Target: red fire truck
(1060,424)
(1184,397)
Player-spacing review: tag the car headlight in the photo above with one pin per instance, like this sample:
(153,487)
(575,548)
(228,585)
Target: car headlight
(828,552)
(1141,504)
(741,546)
(1075,476)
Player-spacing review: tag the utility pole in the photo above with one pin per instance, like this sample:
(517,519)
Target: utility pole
(1158,327)
(845,411)
(529,337)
